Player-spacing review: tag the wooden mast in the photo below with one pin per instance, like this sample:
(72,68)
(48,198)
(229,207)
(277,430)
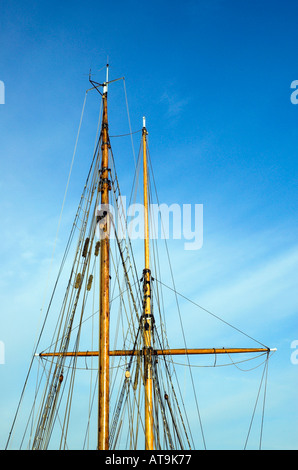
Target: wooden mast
(147,315)
(104,307)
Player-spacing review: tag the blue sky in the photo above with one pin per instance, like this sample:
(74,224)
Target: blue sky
(213,79)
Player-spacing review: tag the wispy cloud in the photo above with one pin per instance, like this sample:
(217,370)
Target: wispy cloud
(174,104)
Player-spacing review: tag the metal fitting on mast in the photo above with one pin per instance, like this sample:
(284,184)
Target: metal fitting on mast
(105,85)
(144,130)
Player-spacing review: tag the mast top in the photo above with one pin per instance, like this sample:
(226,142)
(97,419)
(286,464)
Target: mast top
(105,85)
(144,130)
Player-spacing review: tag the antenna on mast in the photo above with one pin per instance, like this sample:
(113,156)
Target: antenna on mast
(105,85)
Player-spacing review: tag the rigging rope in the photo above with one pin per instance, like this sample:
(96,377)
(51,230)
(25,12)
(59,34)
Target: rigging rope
(125,135)
(64,199)
(126,100)
(210,313)
(232,363)
(56,238)
(265,374)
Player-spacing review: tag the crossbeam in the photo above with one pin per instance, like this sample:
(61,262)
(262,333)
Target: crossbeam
(160,352)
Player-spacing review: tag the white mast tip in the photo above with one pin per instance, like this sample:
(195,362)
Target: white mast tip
(144,121)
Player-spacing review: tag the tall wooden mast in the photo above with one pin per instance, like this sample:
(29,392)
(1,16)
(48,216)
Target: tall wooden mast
(147,314)
(104,307)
